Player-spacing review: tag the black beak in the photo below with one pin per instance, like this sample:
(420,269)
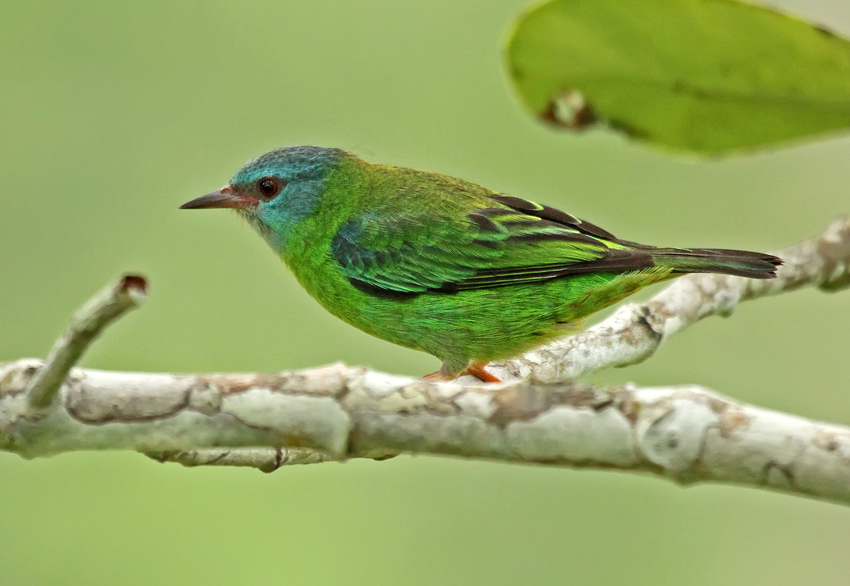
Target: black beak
(223,198)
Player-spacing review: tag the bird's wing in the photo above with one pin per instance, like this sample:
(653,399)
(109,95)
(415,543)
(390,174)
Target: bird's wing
(504,241)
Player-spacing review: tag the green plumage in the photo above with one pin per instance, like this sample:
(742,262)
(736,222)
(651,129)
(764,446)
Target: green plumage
(442,265)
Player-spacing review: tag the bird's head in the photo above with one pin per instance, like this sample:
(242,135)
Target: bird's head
(274,191)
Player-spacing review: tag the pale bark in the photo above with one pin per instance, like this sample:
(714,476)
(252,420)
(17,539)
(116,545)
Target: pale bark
(686,433)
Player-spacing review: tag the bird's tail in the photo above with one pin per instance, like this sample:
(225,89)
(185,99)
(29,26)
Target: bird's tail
(742,263)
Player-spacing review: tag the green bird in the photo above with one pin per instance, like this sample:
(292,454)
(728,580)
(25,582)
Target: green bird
(442,265)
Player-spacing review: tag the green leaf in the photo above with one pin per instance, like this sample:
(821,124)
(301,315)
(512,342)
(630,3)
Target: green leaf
(708,76)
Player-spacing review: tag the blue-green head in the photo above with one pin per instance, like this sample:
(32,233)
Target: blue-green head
(277,190)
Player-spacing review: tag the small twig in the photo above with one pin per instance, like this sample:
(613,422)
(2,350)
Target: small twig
(86,325)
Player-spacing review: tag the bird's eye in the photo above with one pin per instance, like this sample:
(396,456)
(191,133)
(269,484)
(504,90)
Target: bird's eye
(269,186)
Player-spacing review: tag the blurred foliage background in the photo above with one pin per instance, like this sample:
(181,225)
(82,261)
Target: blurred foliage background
(113,114)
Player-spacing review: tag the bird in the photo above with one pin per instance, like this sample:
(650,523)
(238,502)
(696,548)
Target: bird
(443,265)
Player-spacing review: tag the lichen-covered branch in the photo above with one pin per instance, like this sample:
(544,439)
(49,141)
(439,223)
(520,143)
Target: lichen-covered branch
(336,412)
(688,434)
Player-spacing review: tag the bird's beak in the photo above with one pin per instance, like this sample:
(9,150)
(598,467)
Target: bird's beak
(223,198)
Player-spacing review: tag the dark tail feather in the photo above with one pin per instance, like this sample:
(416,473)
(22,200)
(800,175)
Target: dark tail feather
(742,263)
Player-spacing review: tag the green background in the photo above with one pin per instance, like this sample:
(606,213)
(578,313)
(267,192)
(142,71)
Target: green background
(113,114)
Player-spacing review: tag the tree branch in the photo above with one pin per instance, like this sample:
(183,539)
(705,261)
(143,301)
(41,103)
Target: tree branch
(686,433)
(86,325)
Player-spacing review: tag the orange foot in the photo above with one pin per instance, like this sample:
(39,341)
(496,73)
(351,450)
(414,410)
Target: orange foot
(476,369)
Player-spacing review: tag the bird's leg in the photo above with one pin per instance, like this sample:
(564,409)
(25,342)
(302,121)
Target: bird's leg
(476,369)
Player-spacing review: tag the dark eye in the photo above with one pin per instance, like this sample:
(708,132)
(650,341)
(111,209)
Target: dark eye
(269,186)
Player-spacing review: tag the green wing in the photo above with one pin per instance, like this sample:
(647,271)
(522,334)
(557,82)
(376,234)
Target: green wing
(505,241)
